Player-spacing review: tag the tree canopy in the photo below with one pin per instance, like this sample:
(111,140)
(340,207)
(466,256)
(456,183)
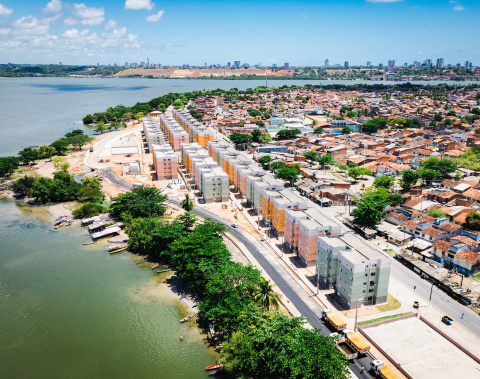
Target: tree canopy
(141,202)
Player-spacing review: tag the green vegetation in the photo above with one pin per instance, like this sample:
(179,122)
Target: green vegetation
(187,204)
(391,305)
(383,181)
(18,70)
(141,202)
(361,323)
(470,159)
(436,212)
(288,134)
(288,174)
(371,207)
(62,187)
(409,179)
(472,221)
(375,124)
(88,210)
(311,156)
(265,160)
(8,165)
(240,139)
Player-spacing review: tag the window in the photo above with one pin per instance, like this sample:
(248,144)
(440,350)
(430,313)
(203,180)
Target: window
(363,291)
(370,290)
(372,274)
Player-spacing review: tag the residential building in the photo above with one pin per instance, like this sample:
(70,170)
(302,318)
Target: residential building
(165,162)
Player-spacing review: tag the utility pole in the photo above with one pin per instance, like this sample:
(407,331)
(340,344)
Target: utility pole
(431,292)
(356,314)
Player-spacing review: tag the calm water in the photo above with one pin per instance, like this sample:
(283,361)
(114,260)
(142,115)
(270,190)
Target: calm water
(73,311)
(34,111)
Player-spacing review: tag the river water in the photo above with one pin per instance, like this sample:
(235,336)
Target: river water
(34,111)
(73,311)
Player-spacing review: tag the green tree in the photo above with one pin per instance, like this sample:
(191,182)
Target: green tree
(383,181)
(60,164)
(277,165)
(354,173)
(265,138)
(266,296)
(364,171)
(278,346)
(100,127)
(90,189)
(288,174)
(23,185)
(318,130)
(187,204)
(8,165)
(428,175)
(256,133)
(46,152)
(141,202)
(88,210)
(325,159)
(28,155)
(265,160)
(409,179)
(371,208)
(260,123)
(346,130)
(79,141)
(42,189)
(240,139)
(61,146)
(472,221)
(88,119)
(375,124)
(188,219)
(311,156)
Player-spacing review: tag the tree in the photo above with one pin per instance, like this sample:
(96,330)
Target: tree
(265,160)
(60,164)
(354,173)
(266,296)
(436,212)
(23,185)
(277,165)
(88,119)
(325,159)
(346,130)
(371,208)
(90,190)
(100,127)
(28,155)
(141,202)
(241,139)
(364,171)
(311,156)
(318,130)
(428,175)
(188,219)
(88,210)
(255,135)
(8,165)
(260,123)
(383,181)
(288,174)
(187,204)
(139,116)
(46,152)
(265,138)
(278,346)
(409,179)
(288,134)
(375,124)
(80,140)
(472,221)
(41,189)
(61,146)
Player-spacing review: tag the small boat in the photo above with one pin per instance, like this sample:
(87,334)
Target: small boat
(68,222)
(185,320)
(118,250)
(213,367)
(215,372)
(155,265)
(59,220)
(89,243)
(167,269)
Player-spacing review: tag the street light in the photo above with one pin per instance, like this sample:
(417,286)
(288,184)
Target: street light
(356,313)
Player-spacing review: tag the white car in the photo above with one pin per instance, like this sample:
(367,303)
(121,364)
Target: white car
(234,225)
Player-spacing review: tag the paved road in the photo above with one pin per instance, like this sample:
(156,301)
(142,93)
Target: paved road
(299,297)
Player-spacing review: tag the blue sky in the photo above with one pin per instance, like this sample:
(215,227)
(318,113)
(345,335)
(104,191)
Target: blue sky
(300,32)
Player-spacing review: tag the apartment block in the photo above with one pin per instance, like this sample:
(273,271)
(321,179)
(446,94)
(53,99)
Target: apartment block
(354,268)
(274,205)
(257,184)
(153,134)
(302,228)
(197,132)
(176,135)
(165,162)
(214,185)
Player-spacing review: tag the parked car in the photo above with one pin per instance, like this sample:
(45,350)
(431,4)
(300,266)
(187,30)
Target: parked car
(234,225)
(447,320)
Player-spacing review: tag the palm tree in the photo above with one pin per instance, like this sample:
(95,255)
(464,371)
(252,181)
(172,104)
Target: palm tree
(266,296)
(187,203)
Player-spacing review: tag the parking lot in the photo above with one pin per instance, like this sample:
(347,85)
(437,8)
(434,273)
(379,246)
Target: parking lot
(421,351)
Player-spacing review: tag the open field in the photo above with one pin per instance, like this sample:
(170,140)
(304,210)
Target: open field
(421,351)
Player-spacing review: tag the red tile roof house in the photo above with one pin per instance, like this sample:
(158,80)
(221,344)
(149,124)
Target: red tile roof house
(457,256)
(424,231)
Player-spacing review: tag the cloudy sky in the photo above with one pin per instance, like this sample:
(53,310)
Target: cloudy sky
(300,32)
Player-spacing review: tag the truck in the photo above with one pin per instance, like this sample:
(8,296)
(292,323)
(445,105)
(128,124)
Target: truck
(382,370)
(351,345)
(333,320)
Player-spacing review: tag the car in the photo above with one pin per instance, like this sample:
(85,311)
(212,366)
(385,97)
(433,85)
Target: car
(234,225)
(447,320)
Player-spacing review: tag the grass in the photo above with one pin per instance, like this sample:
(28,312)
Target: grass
(391,305)
(476,276)
(383,318)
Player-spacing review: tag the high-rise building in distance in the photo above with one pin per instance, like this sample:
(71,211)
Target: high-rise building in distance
(428,62)
(467,64)
(327,63)
(236,64)
(391,63)
(347,65)
(286,65)
(369,64)
(228,64)
(440,62)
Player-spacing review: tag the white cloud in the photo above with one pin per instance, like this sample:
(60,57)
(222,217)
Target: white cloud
(53,6)
(30,25)
(139,4)
(4,11)
(155,17)
(383,1)
(4,31)
(85,15)
(111,24)
(458,8)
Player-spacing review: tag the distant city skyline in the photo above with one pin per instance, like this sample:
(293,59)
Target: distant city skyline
(302,33)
